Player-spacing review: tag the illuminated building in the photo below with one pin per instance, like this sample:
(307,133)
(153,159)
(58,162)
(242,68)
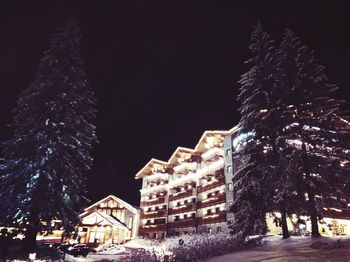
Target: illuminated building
(191,191)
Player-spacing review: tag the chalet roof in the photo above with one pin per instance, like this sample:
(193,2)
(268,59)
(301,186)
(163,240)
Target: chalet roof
(183,151)
(117,199)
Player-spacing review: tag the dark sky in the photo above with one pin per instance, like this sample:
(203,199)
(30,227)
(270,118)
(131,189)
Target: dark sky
(163,71)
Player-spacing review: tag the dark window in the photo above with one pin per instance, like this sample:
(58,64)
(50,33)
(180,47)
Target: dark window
(218,229)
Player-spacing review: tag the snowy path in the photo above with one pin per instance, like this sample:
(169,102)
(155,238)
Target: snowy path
(295,249)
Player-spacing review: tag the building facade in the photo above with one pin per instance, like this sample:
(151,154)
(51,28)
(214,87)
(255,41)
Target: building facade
(108,220)
(191,191)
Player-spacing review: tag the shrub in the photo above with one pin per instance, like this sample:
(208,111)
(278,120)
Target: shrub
(196,247)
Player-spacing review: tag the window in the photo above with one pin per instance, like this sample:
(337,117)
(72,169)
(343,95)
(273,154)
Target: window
(218,229)
(228,152)
(131,222)
(230,187)
(229,169)
(209,230)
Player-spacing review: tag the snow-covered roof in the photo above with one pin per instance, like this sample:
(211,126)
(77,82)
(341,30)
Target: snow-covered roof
(117,199)
(180,151)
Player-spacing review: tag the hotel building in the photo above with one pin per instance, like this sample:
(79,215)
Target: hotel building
(191,191)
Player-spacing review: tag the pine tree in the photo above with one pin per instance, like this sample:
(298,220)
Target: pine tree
(50,154)
(313,131)
(253,185)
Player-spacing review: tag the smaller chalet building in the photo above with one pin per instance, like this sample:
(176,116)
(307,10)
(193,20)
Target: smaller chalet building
(108,220)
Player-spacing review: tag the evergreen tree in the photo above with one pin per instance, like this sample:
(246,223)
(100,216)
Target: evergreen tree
(50,154)
(313,131)
(252,183)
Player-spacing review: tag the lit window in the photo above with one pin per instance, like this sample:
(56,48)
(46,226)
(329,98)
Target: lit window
(230,187)
(229,169)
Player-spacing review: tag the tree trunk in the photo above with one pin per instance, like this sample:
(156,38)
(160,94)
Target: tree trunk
(313,216)
(285,231)
(29,241)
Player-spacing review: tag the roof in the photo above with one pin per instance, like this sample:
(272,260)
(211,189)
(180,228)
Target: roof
(181,152)
(117,199)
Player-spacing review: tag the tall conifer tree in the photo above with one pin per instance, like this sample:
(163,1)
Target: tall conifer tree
(252,182)
(313,130)
(50,154)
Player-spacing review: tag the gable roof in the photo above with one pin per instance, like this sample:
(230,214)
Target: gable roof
(110,197)
(147,169)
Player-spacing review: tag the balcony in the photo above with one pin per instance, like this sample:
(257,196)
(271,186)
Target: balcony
(187,208)
(184,167)
(212,201)
(188,193)
(220,181)
(182,223)
(212,153)
(151,189)
(152,228)
(211,168)
(154,214)
(158,201)
(210,219)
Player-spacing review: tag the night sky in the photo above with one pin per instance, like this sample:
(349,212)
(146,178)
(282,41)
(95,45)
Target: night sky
(163,71)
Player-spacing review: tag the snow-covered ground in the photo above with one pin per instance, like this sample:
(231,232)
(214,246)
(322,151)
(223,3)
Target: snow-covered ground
(295,249)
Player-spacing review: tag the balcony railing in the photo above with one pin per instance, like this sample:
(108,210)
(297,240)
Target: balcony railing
(152,228)
(154,214)
(187,208)
(212,201)
(158,201)
(206,187)
(188,193)
(210,219)
(343,213)
(182,223)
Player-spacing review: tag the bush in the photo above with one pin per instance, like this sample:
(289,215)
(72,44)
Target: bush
(196,247)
